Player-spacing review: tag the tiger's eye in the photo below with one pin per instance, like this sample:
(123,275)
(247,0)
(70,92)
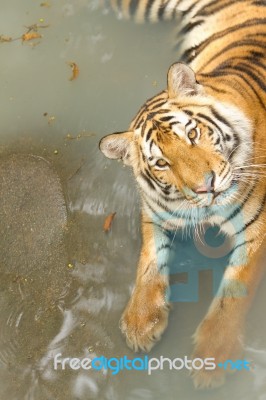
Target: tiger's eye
(161,163)
(192,135)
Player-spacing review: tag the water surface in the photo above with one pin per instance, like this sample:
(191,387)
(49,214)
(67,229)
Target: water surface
(69,298)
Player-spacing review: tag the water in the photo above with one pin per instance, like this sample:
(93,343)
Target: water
(67,295)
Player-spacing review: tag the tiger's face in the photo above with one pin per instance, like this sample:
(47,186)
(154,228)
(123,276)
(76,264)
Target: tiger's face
(180,150)
(184,144)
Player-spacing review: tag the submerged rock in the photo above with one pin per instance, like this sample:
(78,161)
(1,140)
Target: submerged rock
(32,214)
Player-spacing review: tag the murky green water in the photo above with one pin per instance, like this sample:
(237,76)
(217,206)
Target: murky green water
(64,282)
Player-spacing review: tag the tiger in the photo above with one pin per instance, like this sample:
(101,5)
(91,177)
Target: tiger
(197,151)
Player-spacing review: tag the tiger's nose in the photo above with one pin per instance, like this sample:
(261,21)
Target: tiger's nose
(208,186)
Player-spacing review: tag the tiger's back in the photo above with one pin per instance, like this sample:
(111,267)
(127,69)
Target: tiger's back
(214,36)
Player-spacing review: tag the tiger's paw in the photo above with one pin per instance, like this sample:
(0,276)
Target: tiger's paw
(215,341)
(144,320)
(204,379)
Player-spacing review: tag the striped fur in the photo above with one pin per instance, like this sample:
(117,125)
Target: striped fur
(197,150)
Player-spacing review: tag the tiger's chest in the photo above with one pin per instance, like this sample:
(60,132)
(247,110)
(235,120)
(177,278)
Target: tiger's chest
(180,215)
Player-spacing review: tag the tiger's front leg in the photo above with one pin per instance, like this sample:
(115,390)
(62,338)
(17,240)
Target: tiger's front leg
(219,334)
(146,315)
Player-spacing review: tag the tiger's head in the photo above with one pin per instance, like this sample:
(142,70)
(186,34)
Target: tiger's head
(184,143)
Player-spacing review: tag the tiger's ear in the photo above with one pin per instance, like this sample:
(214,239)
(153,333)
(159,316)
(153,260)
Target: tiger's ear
(181,80)
(117,146)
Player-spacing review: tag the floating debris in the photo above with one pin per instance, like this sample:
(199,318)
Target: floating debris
(4,39)
(31,34)
(55,152)
(26,37)
(45,4)
(80,135)
(108,222)
(51,119)
(76,170)
(75,70)
(35,27)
